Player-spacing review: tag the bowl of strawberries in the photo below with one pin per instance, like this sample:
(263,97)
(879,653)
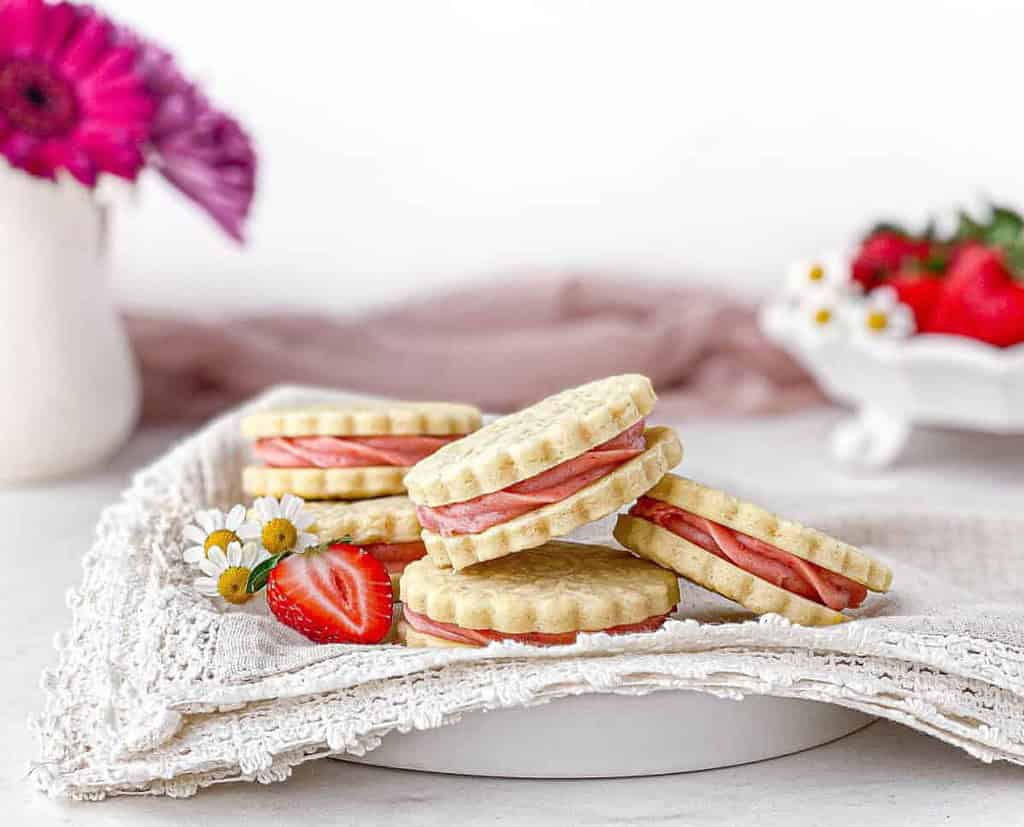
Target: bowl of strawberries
(912,329)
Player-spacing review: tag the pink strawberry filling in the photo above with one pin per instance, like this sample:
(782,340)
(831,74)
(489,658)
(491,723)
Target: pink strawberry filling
(778,567)
(347,452)
(551,486)
(395,556)
(481,637)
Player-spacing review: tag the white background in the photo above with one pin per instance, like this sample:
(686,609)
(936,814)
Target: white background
(411,144)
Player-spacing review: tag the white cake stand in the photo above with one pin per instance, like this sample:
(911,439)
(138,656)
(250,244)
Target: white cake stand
(607,736)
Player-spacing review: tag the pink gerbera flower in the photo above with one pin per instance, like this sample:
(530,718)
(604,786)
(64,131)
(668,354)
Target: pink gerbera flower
(199,149)
(70,97)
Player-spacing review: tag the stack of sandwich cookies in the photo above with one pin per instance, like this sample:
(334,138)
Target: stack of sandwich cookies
(386,528)
(545,596)
(351,451)
(569,460)
(749,555)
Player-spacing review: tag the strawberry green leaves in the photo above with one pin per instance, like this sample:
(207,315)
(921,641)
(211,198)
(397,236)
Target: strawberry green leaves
(258,576)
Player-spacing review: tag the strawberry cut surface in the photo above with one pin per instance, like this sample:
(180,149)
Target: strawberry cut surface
(338,594)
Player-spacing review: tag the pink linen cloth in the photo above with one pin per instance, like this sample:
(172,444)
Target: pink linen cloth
(500,346)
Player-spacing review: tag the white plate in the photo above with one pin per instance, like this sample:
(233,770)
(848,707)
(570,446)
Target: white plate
(606,736)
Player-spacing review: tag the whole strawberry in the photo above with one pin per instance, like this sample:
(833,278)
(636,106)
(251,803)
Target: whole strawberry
(920,290)
(885,251)
(981,298)
(333,594)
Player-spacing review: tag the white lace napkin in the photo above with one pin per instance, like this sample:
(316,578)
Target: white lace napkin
(157,692)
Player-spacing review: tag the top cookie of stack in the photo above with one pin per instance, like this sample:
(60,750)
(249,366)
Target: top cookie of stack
(569,460)
(349,451)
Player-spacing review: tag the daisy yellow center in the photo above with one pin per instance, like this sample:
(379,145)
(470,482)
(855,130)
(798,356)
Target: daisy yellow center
(221,539)
(231,584)
(822,316)
(817,273)
(279,535)
(877,320)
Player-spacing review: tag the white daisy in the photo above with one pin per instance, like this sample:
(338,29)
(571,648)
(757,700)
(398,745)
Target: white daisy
(213,528)
(228,572)
(822,315)
(283,524)
(883,314)
(829,273)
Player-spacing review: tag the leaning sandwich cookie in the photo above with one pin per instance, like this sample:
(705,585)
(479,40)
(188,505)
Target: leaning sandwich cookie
(348,451)
(749,555)
(545,596)
(566,461)
(385,527)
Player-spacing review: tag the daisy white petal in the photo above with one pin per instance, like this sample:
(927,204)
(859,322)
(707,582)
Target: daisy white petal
(206,586)
(253,555)
(235,517)
(208,521)
(210,567)
(249,530)
(883,315)
(267,507)
(194,533)
(234,554)
(303,520)
(216,554)
(194,554)
(290,505)
(304,540)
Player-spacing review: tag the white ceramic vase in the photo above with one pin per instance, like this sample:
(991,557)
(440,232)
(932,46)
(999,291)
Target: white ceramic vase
(71,389)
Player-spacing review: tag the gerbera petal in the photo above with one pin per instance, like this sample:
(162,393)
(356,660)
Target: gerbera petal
(193,554)
(59,26)
(25,27)
(86,46)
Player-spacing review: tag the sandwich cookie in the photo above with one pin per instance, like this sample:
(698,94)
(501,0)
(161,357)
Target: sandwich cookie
(540,473)
(544,596)
(743,552)
(352,451)
(386,528)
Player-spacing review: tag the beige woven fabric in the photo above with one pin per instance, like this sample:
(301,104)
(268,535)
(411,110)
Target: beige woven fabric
(156,691)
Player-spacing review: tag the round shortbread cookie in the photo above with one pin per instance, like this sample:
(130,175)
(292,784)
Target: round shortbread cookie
(709,571)
(324,483)
(599,499)
(556,588)
(380,520)
(365,418)
(408,636)
(788,535)
(527,443)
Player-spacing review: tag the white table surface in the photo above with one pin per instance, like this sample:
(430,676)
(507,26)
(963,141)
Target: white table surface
(885,774)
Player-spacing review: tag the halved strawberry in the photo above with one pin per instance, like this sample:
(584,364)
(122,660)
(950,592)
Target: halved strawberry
(337,594)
